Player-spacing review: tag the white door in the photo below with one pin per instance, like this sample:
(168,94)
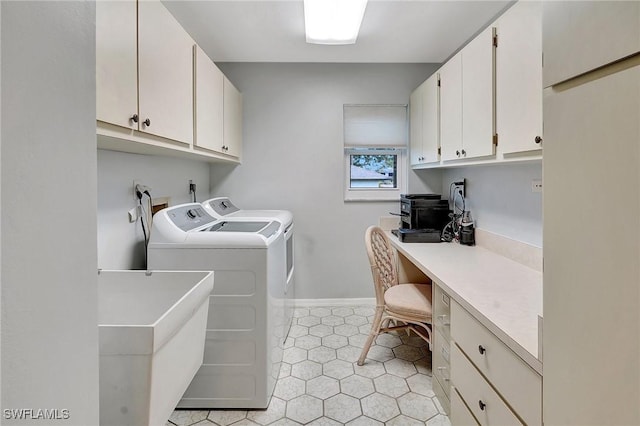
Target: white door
(451,108)
(116,63)
(415,125)
(591,249)
(519,78)
(583,35)
(478,102)
(209,103)
(232,120)
(165,62)
(430,120)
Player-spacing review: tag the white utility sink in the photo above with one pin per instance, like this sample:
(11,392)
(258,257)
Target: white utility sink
(152,331)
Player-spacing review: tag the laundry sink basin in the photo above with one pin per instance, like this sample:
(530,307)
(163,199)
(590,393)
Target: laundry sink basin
(152,331)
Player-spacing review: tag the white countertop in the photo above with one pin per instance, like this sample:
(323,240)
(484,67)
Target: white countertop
(505,296)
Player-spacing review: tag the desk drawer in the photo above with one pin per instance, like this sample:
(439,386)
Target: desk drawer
(441,363)
(460,414)
(485,404)
(518,383)
(438,389)
(442,312)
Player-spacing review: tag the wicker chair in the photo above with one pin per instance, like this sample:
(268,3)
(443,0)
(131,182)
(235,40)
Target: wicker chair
(408,305)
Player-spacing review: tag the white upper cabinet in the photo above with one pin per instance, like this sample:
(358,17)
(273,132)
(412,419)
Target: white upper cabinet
(232,120)
(451,108)
(581,36)
(415,124)
(424,126)
(116,63)
(431,120)
(478,96)
(467,100)
(209,103)
(165,74)
(519,78)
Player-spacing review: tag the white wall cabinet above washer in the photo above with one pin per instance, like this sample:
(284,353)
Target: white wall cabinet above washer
(165,73)
(232,120)
(117,63)
(209,103)
(146,87)
(144,70)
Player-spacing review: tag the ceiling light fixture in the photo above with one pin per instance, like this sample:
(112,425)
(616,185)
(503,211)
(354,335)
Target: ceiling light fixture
(333,21)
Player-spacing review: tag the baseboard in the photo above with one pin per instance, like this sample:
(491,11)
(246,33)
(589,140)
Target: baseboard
(306,303)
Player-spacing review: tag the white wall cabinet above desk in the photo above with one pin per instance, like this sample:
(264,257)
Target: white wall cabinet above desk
(424,109)
(491,96)
(467,101)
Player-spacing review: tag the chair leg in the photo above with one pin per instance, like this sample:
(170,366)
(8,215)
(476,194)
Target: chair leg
(375,329)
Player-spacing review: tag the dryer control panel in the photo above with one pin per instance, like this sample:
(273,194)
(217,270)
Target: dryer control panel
(189,216)
(222,206)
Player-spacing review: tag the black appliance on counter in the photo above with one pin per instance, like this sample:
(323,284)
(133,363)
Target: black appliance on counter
(423,217)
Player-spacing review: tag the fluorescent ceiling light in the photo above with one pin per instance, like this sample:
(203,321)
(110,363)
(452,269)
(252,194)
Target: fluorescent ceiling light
(333,21)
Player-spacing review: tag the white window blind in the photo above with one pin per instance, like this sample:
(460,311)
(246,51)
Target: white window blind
(375,126)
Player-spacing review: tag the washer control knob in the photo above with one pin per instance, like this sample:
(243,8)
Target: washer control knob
(192,213)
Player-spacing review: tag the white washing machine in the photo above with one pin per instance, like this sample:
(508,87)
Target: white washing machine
(223,208)
(242,353)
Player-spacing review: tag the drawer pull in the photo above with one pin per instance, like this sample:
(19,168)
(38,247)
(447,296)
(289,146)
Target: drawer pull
(481,349)
(482,405)
(443,320)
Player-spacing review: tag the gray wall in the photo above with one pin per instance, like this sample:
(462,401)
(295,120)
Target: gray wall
(120,242)
(500,199)
(293,159)
(49,281)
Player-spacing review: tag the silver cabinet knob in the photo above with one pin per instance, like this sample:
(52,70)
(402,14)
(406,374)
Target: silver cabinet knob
(538,140)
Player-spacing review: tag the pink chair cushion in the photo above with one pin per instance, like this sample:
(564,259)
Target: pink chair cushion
(410,299)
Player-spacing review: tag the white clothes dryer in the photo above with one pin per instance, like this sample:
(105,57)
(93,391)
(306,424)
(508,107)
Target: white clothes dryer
(243,352)
(223,208)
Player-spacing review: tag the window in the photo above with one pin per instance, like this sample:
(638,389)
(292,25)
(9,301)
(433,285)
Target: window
(375,144)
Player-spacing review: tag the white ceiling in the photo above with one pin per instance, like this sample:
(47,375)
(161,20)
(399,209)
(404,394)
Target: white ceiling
(401,31)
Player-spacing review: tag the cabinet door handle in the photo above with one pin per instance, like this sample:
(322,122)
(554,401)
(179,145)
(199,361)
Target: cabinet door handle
(464,152)
(482,405)
(538,140)
(147,122)
(481,349)
(458,153)
(134,118)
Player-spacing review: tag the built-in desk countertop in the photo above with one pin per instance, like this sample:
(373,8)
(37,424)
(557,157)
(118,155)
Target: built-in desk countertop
(504,295)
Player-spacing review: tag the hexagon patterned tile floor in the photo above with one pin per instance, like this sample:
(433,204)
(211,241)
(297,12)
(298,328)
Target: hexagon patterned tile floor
(321,384)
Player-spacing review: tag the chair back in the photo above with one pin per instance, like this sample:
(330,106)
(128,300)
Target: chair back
(382,260)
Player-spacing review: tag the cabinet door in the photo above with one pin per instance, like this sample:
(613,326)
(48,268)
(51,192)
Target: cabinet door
(591,147)
(519,78)
(478,100)
(116,63)
(415,125)
(580,36)
(165,62)
(209,103)
(232,119)
(451,108)
(430,121)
